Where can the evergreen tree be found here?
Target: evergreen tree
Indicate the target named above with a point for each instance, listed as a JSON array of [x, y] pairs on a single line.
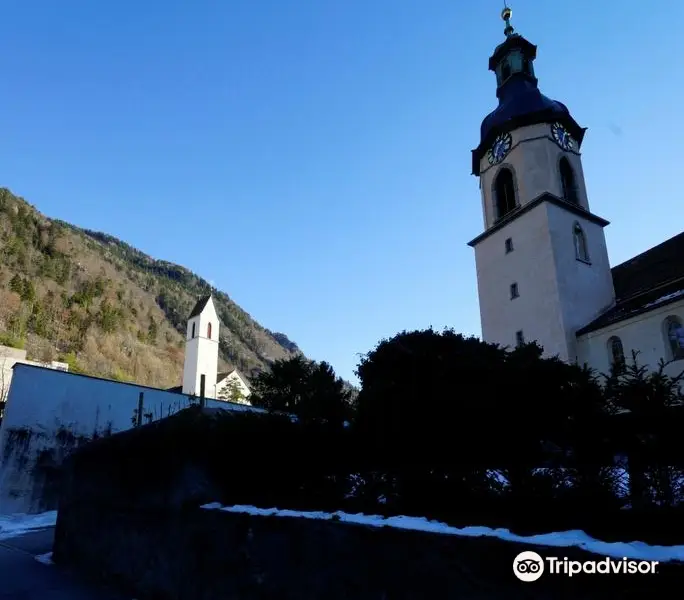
[[152, 331], [650, 421], [16, 284], [304, 388]]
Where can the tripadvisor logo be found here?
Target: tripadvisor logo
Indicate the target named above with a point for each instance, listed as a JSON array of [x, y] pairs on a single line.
[[530, 566]]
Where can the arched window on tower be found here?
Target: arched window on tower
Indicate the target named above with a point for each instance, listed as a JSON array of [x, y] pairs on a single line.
[[674, 337], [580, 241], [504, 193], [193, 330], [209, 330], [617, 352], [568, 181]]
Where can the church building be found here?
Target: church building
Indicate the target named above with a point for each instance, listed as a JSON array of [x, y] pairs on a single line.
[[201, 359], [543, 272]]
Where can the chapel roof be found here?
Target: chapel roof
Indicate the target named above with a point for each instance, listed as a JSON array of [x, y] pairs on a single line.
[[200, 306], [221, 376], [648, 281]]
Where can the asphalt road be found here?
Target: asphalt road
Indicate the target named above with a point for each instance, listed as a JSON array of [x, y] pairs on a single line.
[[22, 577]]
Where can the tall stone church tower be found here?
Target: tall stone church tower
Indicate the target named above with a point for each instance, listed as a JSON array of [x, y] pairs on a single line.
[[542, 262], [201, 349]]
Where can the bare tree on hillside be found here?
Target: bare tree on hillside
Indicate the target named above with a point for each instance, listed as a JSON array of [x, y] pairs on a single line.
[[10, 303]]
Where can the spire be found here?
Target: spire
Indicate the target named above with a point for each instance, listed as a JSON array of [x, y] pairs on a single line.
[[512, 59], [506, 15], [520, 101]]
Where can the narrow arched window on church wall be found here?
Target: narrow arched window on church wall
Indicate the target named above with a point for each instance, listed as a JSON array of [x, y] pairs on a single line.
[[568, 181], [674, 337], [580, 241], [617, 353], [193, 331], [209, 330], [504, 193]]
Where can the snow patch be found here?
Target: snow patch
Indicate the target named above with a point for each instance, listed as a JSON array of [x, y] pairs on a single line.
[[665, 298], [46, 559], [565, 539], [19, 524]]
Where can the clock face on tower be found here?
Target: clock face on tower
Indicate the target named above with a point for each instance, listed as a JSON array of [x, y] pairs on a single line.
[[562, 137], [499, 148]]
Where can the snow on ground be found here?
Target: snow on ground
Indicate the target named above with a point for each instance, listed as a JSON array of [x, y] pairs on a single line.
[[565, 539], [46, 559], [14, 525]]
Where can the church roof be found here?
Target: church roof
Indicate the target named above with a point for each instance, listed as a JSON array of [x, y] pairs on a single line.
[[520, 101], [650, 280], [200, 306], [523, 104], [661, 264]]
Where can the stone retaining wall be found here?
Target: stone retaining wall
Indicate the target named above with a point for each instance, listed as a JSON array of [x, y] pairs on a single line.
[[208, 554]]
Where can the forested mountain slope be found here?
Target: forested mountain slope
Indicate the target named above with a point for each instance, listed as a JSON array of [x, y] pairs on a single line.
[[108, 309]]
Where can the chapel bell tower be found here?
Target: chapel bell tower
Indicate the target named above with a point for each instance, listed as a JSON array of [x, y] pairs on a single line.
[[542, 262], [201, 349]]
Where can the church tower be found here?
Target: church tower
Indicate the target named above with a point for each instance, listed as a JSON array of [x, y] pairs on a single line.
[[542, 262], [201, 349]]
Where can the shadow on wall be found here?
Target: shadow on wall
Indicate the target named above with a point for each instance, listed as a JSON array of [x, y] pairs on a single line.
[[49, 413], [32, 460]]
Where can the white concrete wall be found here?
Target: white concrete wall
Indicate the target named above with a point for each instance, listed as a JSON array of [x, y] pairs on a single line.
[[557, 293], [201, 353], [11, 356], [585, 290], [48, 411], [532, 265], [643, 333]]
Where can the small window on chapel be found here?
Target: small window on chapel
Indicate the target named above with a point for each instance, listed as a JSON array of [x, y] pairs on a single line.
[[514, 291], [193, 331], [509, 245], [209, 330]]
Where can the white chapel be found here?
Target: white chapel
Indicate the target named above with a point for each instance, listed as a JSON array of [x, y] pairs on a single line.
[[201, 358], [543, 272]]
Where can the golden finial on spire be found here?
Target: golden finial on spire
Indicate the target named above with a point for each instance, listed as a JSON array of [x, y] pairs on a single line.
[[506, 14]]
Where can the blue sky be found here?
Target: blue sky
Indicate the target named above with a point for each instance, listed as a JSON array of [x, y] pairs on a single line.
[[312, 158]]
